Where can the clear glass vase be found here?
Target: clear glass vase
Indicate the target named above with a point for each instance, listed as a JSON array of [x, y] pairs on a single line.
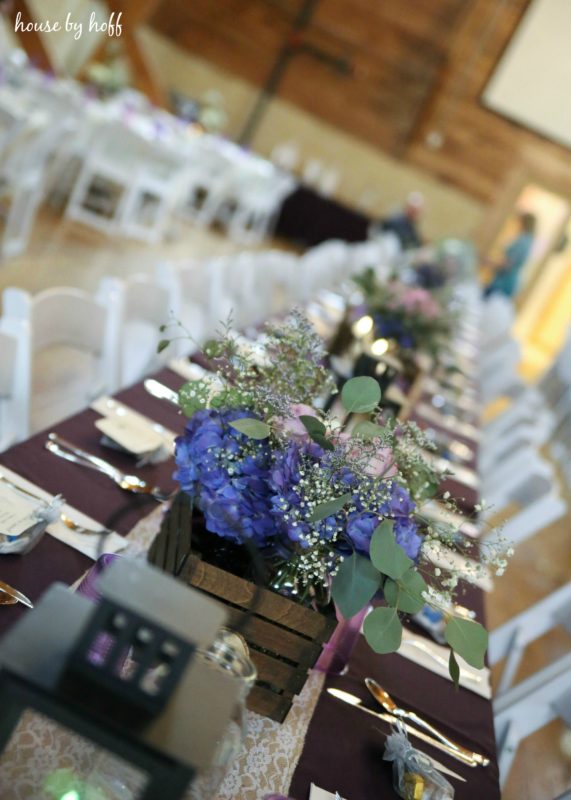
[[229, 652]]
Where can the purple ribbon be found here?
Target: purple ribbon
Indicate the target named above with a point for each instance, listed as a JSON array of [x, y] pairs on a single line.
[[338, 650]]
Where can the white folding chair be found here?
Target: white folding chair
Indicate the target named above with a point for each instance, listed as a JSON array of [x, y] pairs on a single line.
[[14, 382], [140, 307], [535, 516], [510, 639], [522, 477], [187, 286], [70, 350], [530, 706]]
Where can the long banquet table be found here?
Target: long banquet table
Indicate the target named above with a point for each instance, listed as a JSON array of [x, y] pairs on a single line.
[[343, 746]]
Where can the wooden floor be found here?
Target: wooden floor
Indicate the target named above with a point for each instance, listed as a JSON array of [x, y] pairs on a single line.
[[541, 770], [65, 253]]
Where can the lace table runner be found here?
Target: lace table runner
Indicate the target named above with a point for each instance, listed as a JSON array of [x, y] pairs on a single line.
[[39, 747]]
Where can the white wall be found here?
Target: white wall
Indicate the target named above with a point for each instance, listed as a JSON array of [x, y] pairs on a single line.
[[532, 83]]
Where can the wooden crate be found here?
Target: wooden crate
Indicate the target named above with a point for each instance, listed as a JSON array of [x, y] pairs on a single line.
[[285, 639]]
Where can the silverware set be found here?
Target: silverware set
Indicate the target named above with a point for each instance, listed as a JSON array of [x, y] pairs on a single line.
[[415, 726], [60, 447], [67, 521]]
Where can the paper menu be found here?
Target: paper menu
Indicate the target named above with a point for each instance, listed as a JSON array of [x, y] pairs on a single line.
[[16, 512]]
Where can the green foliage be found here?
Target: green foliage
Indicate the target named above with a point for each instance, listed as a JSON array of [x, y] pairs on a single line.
[[329, 508], [387, 556], [162, 345], [193, 396], [317, 430], [406, 592], [383, 630], [368, 430], [354, 584], [253, 428], [361, 395], [454, 669], [469, 639]]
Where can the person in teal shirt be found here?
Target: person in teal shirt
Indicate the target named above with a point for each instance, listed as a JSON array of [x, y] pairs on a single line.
[[506, 279]]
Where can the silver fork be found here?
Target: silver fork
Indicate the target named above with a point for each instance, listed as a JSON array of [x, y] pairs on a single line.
[[130, 483]]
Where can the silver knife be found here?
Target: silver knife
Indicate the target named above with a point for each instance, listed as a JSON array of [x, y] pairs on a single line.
[[161, 391], [355, 701], [11, 592]]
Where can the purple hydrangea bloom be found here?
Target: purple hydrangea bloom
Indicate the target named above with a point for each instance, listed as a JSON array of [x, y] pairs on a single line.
[[360, 528], [406, 534], [228, 482]]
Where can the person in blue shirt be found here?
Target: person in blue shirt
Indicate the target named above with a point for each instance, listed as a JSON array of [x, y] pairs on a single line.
[[507, 277]]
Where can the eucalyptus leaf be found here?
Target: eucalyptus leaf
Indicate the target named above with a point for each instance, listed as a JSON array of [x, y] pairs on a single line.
[[367, 430], [329, 508], [383, 630], [387, 556], [354, 584], [406, 593], [361, 395], [454, 669], [322, 441], [162, 345], [469, 639], [312, 425], [253, 428]]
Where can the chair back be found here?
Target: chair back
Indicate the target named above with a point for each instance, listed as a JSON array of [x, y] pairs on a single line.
[[71, 350], [14, 382], [140, 307]]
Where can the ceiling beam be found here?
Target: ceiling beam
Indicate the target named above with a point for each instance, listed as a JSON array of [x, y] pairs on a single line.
[[135, 13], [30, 40]]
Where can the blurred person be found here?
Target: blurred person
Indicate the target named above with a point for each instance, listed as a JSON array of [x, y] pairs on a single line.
[[405, 223], [508, 270]]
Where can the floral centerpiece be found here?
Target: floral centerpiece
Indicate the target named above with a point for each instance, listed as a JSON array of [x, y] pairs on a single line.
[[331, 501], [414, 317]]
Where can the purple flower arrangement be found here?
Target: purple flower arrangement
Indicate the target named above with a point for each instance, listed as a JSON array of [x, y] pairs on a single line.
[[331, 501], [412, 316]]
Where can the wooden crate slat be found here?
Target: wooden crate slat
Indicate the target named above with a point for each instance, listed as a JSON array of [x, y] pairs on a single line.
[[268, 704], [278, 673], [269, 604], [277, 640]]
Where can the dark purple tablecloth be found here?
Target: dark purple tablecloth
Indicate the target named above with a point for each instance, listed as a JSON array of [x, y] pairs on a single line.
[[84, 489], [308, 218], [343, 748]]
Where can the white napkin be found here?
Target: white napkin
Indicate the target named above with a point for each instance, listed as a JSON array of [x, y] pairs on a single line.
[[188, 369], [431, 414], [469, 569], [316, 793], [86, 544], [141, 436], [436, 511], [464, 475], [417, 655]]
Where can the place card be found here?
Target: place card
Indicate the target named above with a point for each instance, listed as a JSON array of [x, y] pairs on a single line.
[[316, 793], [133, 432]]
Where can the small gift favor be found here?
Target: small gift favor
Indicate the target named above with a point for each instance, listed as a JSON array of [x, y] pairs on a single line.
[[23, 519], [414, 775]]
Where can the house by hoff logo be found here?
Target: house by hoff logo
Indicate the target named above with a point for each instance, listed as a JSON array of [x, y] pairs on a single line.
[[112, 27]]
